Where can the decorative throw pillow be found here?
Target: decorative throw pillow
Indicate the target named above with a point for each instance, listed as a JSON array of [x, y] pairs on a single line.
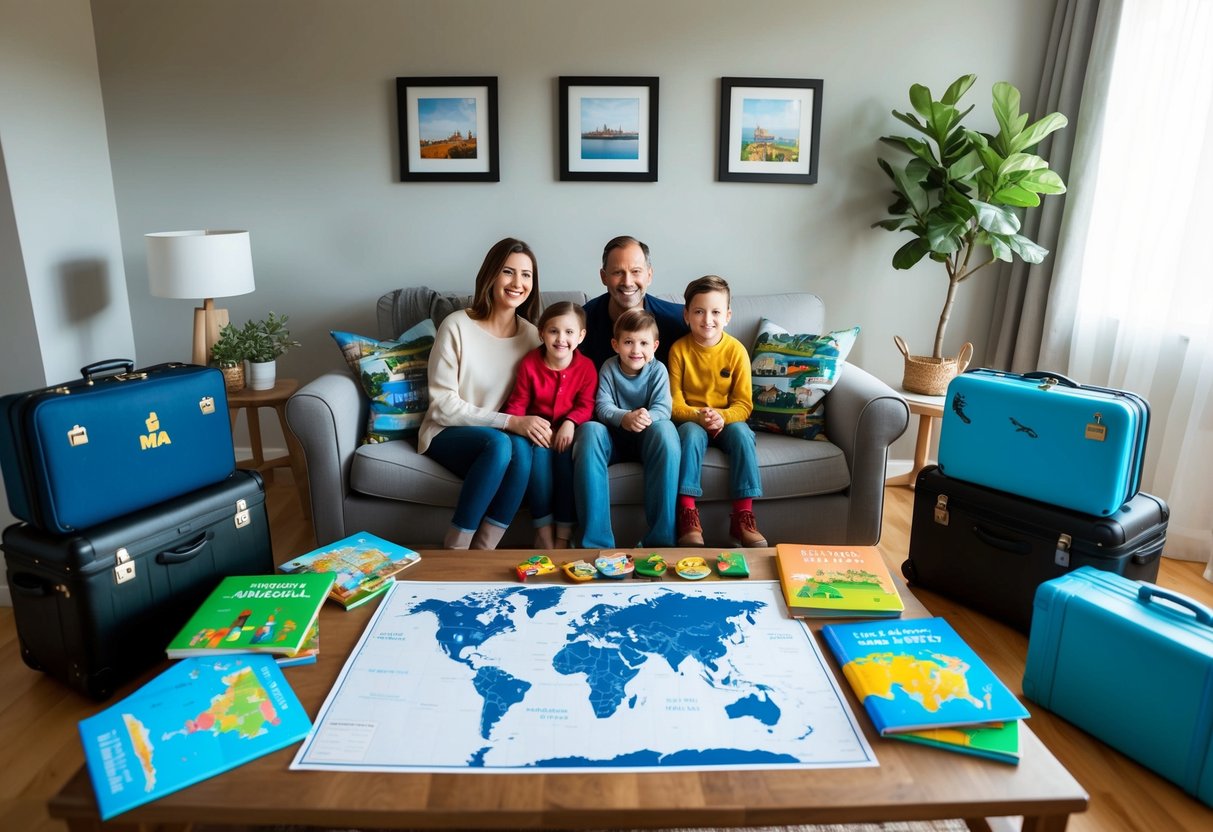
[[395, 376], [791, 375]]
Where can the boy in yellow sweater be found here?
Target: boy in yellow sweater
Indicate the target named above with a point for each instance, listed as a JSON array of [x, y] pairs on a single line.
[[710, 388]]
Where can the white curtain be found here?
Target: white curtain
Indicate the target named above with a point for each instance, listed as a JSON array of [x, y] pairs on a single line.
[[1135, 308]]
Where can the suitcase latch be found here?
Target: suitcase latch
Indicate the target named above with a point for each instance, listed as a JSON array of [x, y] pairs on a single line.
[[941, 509], [1096, 429], [1048, 383], [124, 568], [207, 405], [77, 436], [242, 515], [1062, 556]]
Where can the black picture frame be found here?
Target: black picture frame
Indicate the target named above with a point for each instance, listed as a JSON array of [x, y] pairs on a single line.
[[469, 106], [794, 105], [625, 105]]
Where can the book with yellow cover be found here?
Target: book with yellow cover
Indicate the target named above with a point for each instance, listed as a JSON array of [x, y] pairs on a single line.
[[836, 582], [997, 741]]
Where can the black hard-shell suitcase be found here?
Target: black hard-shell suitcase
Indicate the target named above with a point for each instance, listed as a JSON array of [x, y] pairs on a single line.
[[990, 550], [96, 609], [112, 442]]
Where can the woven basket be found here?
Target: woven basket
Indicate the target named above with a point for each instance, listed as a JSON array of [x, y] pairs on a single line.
[[233, 378], [930, 376]]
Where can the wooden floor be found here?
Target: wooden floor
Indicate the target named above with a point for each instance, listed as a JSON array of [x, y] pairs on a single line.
[[39, 747]]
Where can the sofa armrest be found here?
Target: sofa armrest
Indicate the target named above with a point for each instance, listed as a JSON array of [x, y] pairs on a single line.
[[328, 416], [863, 417]]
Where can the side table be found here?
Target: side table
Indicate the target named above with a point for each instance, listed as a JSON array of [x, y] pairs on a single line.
[[250, 401], [928, 408]]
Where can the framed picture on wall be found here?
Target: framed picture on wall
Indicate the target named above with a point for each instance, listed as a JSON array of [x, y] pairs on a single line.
[[608, 129], [447, 129], [770, 130]]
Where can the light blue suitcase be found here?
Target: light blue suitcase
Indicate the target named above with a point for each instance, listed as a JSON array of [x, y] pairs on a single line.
[[1132, 664], [1045, 437]]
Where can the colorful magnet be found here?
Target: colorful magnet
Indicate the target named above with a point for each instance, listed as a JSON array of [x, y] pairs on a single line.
[[654, 566], [618, 565], [579, 570], [693, 568], [537, 565], [732, 565]]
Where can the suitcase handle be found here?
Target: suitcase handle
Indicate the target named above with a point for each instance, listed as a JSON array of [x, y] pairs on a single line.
[[29, 585], [113, 364], [185, 552], [1015, 547], [1058, 377], [1148, 592]]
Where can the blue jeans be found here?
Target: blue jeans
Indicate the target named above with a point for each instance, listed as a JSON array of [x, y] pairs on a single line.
[[595, 447], [495, 467], [550, 494], [736, 440]]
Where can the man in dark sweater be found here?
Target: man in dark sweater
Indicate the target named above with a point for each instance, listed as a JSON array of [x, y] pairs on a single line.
[[626, 273]]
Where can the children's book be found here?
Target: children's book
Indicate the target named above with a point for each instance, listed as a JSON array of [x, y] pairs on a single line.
[[919, 674], [199, 718], [362, 564], [306, 654], [998, 741], [836, 582], [254, 614]]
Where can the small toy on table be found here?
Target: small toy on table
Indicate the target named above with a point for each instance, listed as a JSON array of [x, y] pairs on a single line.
[[537, 565], [692, 568], [732, 565], [654, 566], [618, 565], [579, 570]]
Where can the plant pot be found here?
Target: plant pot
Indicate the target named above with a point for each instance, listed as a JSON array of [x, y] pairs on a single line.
[[233, 377], [262, 374], [928, 375]]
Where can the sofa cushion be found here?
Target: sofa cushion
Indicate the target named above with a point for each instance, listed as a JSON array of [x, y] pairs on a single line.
[[792, 373], [394, 375], [789, 468]]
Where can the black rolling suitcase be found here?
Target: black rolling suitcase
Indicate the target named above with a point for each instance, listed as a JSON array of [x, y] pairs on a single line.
[[97, 608], [990, 550]]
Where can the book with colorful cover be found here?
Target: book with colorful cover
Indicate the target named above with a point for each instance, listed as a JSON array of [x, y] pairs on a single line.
[[919, 674], [836, 582], [997, 741], [199, 718], [254, 614], [362, 564], [308, 653]]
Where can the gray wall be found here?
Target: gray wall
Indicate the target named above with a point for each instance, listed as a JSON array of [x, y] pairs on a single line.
[[279, 117]]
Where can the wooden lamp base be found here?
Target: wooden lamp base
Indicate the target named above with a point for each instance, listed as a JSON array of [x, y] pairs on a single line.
[[207, 322]]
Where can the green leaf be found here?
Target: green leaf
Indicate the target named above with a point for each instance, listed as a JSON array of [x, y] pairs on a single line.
[[989, 158], [911, 187], [1006, 108], [1043, 182], [1017, 162], [893, 224], [965, 166], [999, 247], [996, 219], [1033, 135], [910, 253], [1026, 249], [958, 88], [944, 234], [1015, 195], [913, 122], [942, 117], [920, 100]]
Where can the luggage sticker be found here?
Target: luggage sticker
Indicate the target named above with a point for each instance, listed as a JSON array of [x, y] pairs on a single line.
[[77, 436], [1097, 430]]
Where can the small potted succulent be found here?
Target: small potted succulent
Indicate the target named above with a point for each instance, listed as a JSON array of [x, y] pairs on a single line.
[[228, 353], [263, 342]]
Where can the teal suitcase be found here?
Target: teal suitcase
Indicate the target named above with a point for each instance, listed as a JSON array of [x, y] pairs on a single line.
[[1045, 437], [1132, 664]]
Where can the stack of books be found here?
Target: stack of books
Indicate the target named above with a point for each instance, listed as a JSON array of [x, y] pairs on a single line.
[[836, 582], [273, 614], [362, 564], [920, 682]]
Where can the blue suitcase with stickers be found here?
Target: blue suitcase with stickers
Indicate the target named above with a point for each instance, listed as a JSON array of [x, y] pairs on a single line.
[[1132, 664], [112, 442], [1045, 437]]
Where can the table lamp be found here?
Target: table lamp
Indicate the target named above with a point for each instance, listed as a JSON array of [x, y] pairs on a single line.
[[200, 264]]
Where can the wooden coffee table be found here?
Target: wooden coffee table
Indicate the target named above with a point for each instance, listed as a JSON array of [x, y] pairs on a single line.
[[911, 783]]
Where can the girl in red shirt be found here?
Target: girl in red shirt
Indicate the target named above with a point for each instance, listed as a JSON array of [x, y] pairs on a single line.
[[557, 383]]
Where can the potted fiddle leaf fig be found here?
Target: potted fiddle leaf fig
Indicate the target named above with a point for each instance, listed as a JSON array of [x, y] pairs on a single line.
[[961, 196]]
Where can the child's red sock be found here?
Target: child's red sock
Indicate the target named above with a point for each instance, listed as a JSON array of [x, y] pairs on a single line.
[[686, 501], [743, 504]]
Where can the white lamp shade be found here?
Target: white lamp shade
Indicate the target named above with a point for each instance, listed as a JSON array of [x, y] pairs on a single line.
[[199, 264]]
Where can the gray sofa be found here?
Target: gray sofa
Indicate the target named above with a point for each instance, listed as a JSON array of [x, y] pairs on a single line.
[[813, 491]]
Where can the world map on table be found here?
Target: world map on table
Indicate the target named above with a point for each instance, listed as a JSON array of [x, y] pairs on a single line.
[[611, 676]]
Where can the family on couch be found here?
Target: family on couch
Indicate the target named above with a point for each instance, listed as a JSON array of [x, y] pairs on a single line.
[[510, 403]]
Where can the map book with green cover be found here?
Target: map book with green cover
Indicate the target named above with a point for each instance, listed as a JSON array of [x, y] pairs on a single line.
[[919, 674], [997, 741], [362, 564], [254, 614], [836, 582], [199, 718]]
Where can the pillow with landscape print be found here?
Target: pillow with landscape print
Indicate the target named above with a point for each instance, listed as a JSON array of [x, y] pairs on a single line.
[[791, 374], [395, 377]]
